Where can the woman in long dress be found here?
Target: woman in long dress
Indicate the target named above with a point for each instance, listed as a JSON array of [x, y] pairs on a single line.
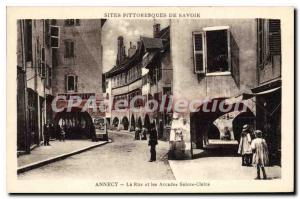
[[260, 153]]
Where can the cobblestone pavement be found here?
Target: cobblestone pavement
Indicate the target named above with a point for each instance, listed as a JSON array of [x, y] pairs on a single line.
[[123, 159]]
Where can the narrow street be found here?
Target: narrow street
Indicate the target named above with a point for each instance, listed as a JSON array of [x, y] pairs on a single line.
[[123, 159]]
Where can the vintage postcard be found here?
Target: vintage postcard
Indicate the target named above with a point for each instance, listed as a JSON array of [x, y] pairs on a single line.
[[150, 99]]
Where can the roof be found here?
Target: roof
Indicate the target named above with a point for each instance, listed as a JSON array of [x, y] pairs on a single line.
[[152, 43], [146, 43]]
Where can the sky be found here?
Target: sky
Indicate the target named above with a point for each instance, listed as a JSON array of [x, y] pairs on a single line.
[[131, 30]]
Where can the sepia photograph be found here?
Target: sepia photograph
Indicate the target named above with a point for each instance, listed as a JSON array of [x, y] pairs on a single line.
[[147, 101]]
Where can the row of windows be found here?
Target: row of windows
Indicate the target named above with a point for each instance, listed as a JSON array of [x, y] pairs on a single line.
[[72, 22], [128, 97], [127, 77]]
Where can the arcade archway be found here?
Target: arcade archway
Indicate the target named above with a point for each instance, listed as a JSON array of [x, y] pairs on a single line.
[[132, 123], [115, 122], [147, 122], [125, 123], [76, 124], [208, 128], [139, 123]]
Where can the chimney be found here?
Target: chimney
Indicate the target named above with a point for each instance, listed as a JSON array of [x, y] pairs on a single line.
[[156, 30], [121, 50], [131, 49]]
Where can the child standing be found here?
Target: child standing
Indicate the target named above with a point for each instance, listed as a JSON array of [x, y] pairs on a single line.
[[260, 154]]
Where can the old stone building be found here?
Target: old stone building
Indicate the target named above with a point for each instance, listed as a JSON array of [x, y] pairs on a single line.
[[34, 82], [268, 89], [146, 71], [219, 60], [57, 58], [77, 64]]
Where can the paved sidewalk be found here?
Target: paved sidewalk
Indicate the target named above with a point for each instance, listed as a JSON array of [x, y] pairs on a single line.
[[58, 150], [217, 168]]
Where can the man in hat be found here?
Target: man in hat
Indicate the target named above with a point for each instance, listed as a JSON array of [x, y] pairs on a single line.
[[47, 129], [152, 142], [245, 146]]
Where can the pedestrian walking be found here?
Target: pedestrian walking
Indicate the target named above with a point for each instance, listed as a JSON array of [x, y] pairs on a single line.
[[144, 133], [47, 133], [245, 146], [62, 133], [93, 133], [137, 133], [152, 142], [260, 154]]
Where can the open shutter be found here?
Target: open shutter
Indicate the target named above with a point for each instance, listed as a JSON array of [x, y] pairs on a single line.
[[235, 65], [198, 43], [76, 82], [47, 32], [274, 37], [66, 83]]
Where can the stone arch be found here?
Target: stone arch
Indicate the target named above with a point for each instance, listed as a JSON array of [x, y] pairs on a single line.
[[240, 120], [125, 123], [115, 122], [147, 121], [214, 132], [132, 123], [76, 124], [202, 121], [139, 123]]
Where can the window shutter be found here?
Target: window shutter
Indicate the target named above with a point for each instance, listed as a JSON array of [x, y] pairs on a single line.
[[235, 65], [274, 37], [54, 32], [198, 42], [76, 82], [47, 32], [66, 83]]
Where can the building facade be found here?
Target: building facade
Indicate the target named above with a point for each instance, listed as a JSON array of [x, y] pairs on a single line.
[[268, 90], [78, 72], [57, 58], [146, 71], [34, 82], [218, 60]]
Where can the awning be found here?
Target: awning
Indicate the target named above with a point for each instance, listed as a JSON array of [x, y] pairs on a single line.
[[246, 96]]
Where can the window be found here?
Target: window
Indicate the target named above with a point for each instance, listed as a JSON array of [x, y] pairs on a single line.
[[212, 50], [217, 51], [268, 40], [72, 22], [198, 52], [69, 49], [54, 36], [71, 82]]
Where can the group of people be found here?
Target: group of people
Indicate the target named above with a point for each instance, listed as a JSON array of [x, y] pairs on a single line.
[[50, 129], [254, 151], [140, 134]]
